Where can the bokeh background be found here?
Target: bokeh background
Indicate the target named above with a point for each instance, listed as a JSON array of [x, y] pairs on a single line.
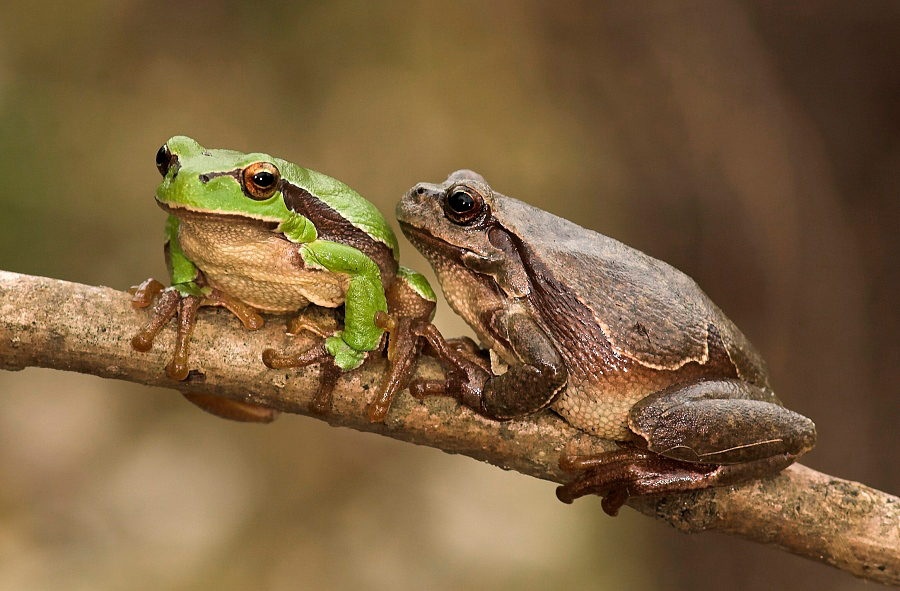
[[755, 145]]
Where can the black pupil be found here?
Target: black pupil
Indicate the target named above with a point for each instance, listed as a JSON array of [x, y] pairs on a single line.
[[264, 179], [460, 202], [162, 158]]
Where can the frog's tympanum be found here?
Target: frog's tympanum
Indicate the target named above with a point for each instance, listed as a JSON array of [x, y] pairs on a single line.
[[619, 344], [253, 233]]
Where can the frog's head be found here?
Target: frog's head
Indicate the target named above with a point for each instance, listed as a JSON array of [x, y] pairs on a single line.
[[200, 180], [454, 225]]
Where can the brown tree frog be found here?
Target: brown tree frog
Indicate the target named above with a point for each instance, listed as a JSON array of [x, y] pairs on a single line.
[[619, 344], [254, 233]]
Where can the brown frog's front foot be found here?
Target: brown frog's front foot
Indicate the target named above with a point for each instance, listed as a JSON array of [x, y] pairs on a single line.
[[697, 436], [173, 303], [467, 369]]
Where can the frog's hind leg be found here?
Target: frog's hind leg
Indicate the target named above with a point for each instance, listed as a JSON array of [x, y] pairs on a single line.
[[628, 472], [330, 372], [693, 436]]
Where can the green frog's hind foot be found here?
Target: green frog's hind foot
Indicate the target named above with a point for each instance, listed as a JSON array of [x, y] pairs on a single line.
[[330, 372], [624, 473], [234, 410]]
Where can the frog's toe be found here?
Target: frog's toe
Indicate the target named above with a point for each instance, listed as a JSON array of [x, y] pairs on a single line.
[[422, 389], [164, 310], [321, 403], [142, 295], [320, 321], [247, 314]]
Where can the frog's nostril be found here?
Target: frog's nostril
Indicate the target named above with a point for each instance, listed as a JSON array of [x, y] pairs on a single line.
[[420, 190], [204, 178]]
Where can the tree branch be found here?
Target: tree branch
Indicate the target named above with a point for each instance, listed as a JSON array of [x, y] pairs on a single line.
[[51, 323]]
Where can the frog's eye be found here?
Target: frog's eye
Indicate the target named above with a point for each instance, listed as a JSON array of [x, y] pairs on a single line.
[[164, 159], [260, 180], [462, 205]]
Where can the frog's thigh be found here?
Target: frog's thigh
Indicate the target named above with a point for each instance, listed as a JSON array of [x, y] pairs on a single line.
[[720, 422]]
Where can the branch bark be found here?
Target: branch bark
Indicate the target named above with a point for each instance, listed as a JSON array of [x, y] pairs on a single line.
[[62, 325]]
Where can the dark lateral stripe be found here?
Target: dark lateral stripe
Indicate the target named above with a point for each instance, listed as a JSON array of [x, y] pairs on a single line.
[[332, 226]]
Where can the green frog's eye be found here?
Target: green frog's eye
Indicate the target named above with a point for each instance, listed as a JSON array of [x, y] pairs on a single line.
[[462, 204], [260, 180], [164, 159]]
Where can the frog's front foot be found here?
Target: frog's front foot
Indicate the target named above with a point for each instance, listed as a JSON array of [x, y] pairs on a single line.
[[183, 301], [321, 403], [467, 371], [172, 302], [630, 472]]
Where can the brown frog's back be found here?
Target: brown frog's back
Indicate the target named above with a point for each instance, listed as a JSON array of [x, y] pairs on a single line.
[[646, 310]]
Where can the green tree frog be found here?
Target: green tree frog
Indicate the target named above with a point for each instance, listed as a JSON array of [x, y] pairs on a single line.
[[619, 344], [254, 233]]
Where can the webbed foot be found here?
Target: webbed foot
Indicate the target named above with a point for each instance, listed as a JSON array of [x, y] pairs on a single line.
[[467, 370], [171, 303], [175, 301], [623, 473]]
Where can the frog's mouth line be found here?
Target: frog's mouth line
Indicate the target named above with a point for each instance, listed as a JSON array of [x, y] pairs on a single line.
[[196, 213], [415, 232]]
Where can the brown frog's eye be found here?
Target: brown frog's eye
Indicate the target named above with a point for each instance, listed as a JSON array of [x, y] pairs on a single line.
[[462, 204], [260, 180], [164, 159]]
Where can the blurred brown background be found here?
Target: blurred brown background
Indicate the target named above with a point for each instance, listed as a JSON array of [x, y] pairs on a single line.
[[754, 145]]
